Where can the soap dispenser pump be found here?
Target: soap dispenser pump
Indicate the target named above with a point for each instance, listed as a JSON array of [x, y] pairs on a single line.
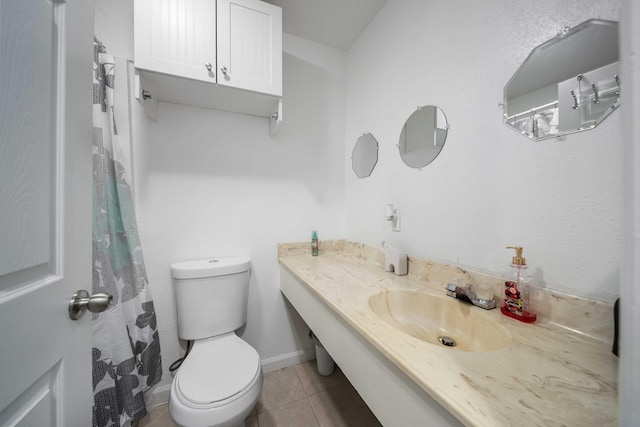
[[516, 302]]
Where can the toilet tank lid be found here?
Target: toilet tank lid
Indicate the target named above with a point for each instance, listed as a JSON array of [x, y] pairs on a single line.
[[210, 267]]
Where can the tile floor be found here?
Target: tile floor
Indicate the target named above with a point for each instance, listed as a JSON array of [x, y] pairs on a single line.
[[297, 397]]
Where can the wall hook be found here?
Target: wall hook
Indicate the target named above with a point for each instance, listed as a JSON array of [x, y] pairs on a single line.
[[596, 98], [575, 99]]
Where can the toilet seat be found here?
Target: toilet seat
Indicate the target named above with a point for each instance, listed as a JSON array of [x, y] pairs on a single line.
[[217, 371]]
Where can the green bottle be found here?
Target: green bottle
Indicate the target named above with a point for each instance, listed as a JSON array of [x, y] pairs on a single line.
[[314, 243]]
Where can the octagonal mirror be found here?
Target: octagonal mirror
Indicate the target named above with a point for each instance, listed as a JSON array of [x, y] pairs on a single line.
[[365, 155], [568, 84]]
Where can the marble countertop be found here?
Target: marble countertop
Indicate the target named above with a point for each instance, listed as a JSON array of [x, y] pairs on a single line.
[[546, 375]]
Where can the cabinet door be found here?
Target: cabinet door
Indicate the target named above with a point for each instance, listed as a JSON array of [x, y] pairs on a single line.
[[250, 46], [176, 37]]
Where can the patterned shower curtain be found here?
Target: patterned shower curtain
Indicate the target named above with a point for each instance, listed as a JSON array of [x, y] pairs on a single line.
[[126, 347]]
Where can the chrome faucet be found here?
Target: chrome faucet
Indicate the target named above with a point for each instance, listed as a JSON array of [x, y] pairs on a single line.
[[467, 294]]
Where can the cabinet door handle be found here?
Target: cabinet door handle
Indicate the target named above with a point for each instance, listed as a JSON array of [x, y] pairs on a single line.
[[224, 70], [208, 66]]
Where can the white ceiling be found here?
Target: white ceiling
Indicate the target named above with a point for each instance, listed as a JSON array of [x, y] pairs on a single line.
[[336, 23]]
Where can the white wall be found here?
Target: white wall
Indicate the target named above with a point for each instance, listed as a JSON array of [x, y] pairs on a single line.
[[490, 187], [211, 183]]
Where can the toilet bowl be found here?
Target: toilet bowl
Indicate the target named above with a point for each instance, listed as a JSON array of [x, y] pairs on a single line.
[[217, 385], [220, 380]]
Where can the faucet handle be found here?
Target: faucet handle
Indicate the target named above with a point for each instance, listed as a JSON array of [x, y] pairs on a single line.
[[466, 294], [485, 295], [457, 288]]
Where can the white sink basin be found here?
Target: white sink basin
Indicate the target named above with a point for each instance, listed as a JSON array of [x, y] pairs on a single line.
[[436, 320]]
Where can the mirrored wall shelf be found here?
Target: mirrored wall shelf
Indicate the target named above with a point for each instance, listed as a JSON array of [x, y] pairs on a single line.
[[568, 84]]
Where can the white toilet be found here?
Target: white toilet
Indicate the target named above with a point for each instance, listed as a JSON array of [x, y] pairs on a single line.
[[218, 383]]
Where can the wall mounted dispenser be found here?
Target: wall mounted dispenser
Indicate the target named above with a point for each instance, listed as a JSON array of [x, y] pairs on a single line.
[[393, 216]]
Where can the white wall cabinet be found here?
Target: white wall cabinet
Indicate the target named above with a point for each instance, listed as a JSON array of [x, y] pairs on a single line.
[[250, 46], [176, 37], [200, 52]]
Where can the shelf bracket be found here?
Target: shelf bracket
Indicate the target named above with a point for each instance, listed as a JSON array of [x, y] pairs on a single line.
[[276, 119], [143, 92]]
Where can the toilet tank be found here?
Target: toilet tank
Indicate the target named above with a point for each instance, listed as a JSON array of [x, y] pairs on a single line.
[[211, 296]]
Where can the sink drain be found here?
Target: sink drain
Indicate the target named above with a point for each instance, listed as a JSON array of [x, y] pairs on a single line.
[[448, 341]]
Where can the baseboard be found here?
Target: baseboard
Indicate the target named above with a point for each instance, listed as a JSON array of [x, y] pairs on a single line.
[[157, 395], [286, 360]]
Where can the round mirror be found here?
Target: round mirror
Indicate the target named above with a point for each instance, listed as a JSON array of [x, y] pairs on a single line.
[[423, 136], [365, 155]]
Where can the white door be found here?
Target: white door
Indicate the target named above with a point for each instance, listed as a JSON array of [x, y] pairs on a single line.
[[45, 211], [250, 46], [176, 37]]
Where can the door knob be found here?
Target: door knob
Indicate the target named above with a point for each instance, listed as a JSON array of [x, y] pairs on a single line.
[[81, 302], [208, 66], [223, 69]]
